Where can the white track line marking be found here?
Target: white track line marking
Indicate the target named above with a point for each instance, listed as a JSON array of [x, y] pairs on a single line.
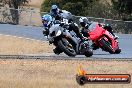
[[22, 37]]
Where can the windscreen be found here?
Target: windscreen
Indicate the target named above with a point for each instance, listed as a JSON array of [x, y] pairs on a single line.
[[93, 26]]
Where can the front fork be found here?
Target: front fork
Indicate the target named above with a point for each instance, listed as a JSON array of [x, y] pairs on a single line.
[[70, 37]]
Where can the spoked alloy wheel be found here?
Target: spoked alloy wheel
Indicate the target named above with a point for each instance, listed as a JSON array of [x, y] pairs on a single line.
[[67, 47]]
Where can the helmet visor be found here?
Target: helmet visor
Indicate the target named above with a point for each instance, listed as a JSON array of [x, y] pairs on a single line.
[[45, 23], [82, 24]]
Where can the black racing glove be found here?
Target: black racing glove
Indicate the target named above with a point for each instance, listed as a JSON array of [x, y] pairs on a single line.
[[46, 32]]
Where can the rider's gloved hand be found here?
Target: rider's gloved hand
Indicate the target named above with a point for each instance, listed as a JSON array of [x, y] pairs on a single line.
[[45, 32]]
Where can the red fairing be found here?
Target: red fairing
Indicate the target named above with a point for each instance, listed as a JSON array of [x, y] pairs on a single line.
[[114, 42], [96, 33]]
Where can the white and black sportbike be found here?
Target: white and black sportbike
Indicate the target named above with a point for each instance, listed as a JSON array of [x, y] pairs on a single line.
[[66, 41]]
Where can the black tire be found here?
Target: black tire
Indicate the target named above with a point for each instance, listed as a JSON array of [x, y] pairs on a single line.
[[81, 80], [88, 53], [118, 51], [106, 46], [65, 50]]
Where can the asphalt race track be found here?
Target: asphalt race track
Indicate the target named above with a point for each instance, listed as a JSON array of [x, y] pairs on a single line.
[[36, 33]]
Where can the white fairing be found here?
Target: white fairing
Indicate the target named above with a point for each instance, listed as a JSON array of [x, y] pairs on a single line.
[[55, 28], [67, 33], [93, 26], [60, 30], [58, 33]]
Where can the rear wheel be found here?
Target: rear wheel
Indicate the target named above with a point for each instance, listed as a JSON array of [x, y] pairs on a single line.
[[106, 46], [67, 47], [118, 51]]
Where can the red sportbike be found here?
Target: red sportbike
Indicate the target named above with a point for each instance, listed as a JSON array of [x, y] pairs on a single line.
[[103, 39]]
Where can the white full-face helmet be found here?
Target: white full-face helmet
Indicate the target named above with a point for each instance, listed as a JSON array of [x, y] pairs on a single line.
[[83, 21], [54, 9]]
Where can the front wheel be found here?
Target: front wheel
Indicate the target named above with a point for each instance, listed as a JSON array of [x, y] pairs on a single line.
[[66, 47], [88, 53]]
